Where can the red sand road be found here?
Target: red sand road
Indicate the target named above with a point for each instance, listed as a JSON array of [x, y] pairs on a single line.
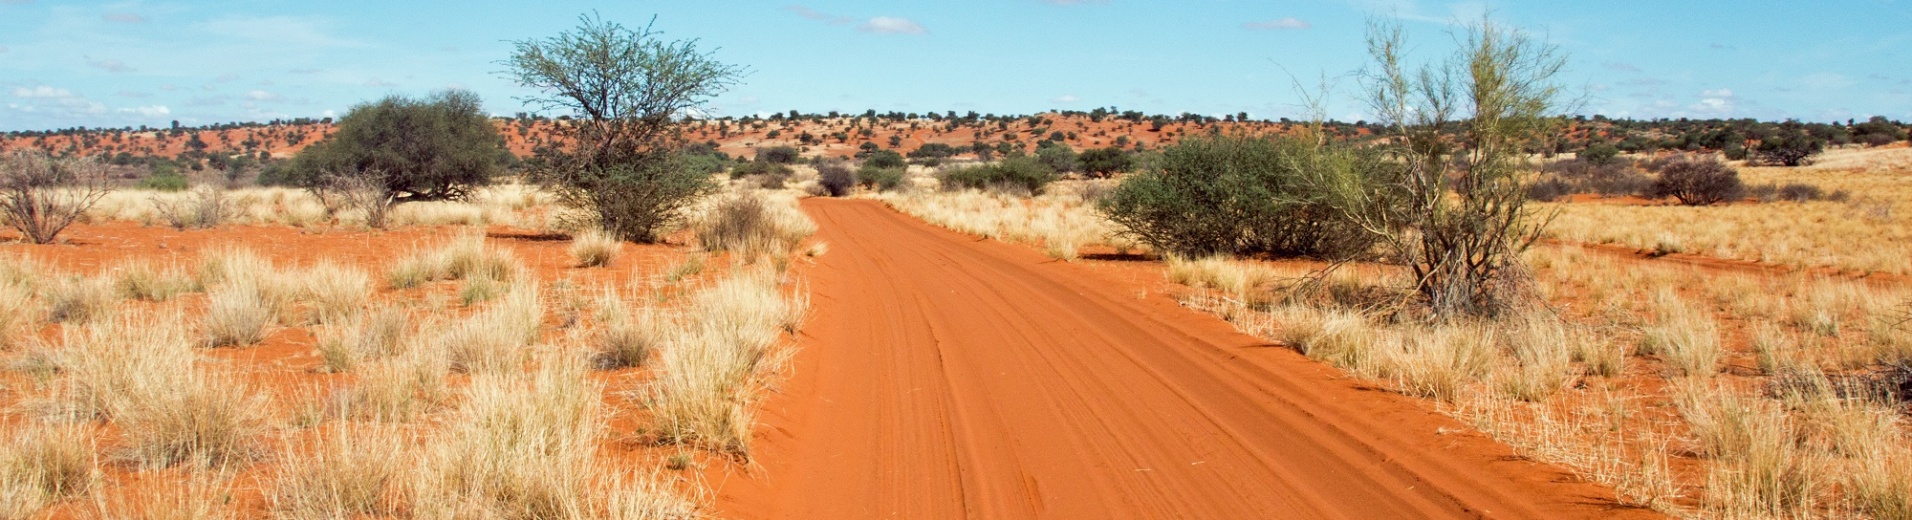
[[946, 377]]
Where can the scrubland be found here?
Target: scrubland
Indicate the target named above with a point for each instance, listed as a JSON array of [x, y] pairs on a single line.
[[470, 370]]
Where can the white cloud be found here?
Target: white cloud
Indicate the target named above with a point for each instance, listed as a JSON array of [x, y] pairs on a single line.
[[1283, 24], [113, 66], [261, 95], [133, 94], [42, 91], [1718, 93], [892, 25], [149, 111], [1067, 98]]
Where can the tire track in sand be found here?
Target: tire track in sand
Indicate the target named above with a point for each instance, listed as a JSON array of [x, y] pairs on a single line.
[[945, 377]]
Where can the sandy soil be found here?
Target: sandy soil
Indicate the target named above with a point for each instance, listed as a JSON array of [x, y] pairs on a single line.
[[946, 377]]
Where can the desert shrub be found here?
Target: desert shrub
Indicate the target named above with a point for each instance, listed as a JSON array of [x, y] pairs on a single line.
[[1790, 145], [880, 179], [400, 149], [1612, 178], [205, 207], [623, 166], [40, 195], [1022, 174], [168, 181], [1058, 157], [1599, 153], [1799, 192], [748, 225], [624, 338], [836, 178], [236, 315], [1735, 152], [79, 300], [1238, 195], [1550, 189], [1103, 162], [884, 159], [930, 152], [1698, 181], [594, 249], [779, 155], [759, 168]]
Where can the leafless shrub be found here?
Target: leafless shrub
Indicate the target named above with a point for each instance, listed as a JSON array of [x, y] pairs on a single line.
[[41, 195]]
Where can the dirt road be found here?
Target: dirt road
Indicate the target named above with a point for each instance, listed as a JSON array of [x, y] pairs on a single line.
[[946, 377]]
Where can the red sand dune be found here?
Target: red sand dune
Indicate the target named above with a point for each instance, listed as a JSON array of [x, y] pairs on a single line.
[[947, 377]]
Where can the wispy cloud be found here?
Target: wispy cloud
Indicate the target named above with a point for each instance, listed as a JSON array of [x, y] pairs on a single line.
[[1283, 24], [42, 91], [109, 65], [1621, 66], [123, 18], [1067, 98], [818, 16], [375, 82], [892, 25]]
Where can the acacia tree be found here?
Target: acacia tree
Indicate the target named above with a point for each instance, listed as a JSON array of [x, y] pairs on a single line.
[[1451, 205], [622, 164], [400, 149]]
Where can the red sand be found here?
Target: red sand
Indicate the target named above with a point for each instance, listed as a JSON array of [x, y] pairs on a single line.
[[946, 377]]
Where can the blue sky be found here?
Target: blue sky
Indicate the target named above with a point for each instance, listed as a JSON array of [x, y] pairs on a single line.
[[78, 63]]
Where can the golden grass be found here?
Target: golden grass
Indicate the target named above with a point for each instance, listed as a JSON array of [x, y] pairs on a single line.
[[623, 337], [19, 314], [711, 369], [139, 280], [1686, 338], [494, 339], [372, 335], [593, 248], [1871, 232], [463, 257], [45, 464], [335, 292], [508, 204], [341, 474], [79, 300], [752, 224], [1062, 220]]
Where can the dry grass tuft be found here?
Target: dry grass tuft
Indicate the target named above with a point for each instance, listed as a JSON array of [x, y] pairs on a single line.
[[79, 300], [495, 338], [1543, 354], [624, 338], [45, 464], [1685, 337], [593, 248], [376, 334], [464, 257], [753, 224], [237, 314], [335, 292], [139, 280], [18, 312], [710, 373], [1233, 279], [342, 474]]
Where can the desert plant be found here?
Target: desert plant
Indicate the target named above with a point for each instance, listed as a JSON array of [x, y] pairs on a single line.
[[1789, 145], [592, 248], [79, 300], [779, 155], [340, 475], [708, 375], [1022, 174], [884, 159], [400, 149], [1059, 157], [204, 207], [836, 178], [624, 338], [1698, 181], [373, 334], [43, 464], [1103, 162], [623, 166], [749, 225], [335, 292], [40, 195], [880, 179], [237, 314], [1241, 195], [139, 280], [1449, 202]]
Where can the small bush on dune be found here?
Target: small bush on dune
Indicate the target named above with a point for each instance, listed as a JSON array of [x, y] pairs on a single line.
[[880, 179], [1017, 174], [836, 178], [593, 248], [41, 195], [749, 225], [1242, 195], [1698, 181]]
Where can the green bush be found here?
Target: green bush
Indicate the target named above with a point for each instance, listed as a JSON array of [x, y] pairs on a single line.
[[1058, 157], [835, 177], [746, 169], [165, 182], [884, 159], [1600, 153], [880, 179], [1103, 162], [1243, 195], [435, 148], [1023, 174], [1697, 181], [779, 155]]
